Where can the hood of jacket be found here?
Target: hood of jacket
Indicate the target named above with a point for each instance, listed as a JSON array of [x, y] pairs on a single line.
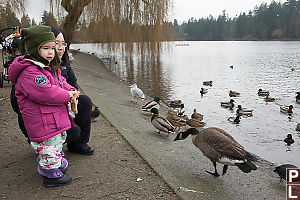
[[19, 64]]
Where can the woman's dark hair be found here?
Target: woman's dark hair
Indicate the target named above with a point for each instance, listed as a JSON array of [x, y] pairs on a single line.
[[65, 57]]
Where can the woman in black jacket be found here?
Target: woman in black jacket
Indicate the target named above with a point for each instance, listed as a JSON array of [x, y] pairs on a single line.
[[78, 136]]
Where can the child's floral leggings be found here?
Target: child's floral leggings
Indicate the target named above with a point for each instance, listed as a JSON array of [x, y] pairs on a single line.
[[49, 151]]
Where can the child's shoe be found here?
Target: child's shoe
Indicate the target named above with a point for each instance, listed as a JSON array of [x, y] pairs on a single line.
[[54, 177]]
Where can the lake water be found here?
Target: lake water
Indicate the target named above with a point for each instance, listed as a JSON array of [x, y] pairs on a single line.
[[179, 71]]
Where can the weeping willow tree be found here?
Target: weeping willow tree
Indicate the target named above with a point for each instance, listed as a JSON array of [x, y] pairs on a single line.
[[115, 20]]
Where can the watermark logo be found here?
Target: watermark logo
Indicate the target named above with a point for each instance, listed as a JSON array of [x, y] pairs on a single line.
[[293, 184]]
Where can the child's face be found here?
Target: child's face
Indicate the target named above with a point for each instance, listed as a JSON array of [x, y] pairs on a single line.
[[47, 50]]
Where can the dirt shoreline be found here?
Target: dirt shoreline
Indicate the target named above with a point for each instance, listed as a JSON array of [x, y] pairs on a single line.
[[115, 171]]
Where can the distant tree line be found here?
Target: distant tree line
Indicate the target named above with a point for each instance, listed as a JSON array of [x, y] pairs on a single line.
[[276, 21]]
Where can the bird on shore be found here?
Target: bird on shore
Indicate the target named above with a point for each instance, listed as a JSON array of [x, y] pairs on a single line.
[[192, 122], [231, 66], [176, 121], [208, 83], [289, 139], [161, 123], [136, 92], [297, 97], [262, 92], [298, 127], [155, 103], [95, 113], [287, 109], [281, 170], [234, 93], [221, 147], [181, 110], [175, 103], [196, 115], [227, 104]]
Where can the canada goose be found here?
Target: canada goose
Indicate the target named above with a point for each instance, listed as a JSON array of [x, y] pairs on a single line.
[[269, 99], [175, 120], [161, 123], [196, 115], [136, 92], [289, 139], [152, 104], [175, 103], [243, 111], [287, 109], [203, 91], [233, 93], [209, 83], [219, 146], [229, 104], [181, 110], [281, 170], [235, 120], [262, 92]]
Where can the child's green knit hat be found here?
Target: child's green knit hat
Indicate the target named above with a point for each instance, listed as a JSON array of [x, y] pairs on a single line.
[[34, 37]]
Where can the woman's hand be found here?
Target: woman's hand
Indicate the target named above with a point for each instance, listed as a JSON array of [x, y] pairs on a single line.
[[74, 94]]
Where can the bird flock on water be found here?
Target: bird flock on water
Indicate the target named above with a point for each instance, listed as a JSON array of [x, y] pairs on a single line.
[[215, 143]]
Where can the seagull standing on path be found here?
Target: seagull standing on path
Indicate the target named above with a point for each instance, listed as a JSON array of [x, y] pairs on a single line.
[[136, 92]]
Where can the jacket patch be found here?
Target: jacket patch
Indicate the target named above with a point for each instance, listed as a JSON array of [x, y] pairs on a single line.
[[40, 80]]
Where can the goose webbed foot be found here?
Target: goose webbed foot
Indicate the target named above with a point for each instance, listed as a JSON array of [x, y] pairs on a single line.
[[168, 134], [215, 174], [225, 167]]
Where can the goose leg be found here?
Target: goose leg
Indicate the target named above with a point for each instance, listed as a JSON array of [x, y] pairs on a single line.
[[216, 174], [168, 134], [225, 167]]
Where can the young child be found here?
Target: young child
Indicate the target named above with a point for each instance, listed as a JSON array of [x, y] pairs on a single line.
[[43, 97]]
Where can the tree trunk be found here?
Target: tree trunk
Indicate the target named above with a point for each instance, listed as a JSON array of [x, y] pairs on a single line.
[[74, 12]]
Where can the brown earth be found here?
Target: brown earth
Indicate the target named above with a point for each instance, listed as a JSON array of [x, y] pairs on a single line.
[[111, 173]]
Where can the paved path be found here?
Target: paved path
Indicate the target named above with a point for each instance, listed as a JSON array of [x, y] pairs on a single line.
[[179, 163]]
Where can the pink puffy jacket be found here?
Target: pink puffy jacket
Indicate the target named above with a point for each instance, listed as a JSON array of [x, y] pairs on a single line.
[[42, 98]]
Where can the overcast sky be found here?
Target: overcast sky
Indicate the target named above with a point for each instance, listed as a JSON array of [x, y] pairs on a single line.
[[182, 9]]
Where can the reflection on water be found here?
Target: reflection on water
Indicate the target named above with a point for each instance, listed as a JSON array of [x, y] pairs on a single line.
[[179, 73]]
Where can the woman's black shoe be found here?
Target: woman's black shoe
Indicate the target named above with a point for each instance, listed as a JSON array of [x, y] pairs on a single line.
[[87, 150]]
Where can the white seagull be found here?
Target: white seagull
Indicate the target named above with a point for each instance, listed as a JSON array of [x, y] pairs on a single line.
[[136, 92]]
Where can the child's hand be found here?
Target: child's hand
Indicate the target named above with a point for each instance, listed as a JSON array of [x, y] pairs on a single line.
[[74, 94]]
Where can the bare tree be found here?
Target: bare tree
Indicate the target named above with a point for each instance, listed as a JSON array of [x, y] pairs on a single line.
[[137, 13]]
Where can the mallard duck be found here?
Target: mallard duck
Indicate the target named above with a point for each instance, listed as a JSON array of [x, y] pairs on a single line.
[[136, 92], [287, 109], [221, 147], [175, 120], [243, 111], [196, 115], [289, 139], [152, 104], [269, 99], [209, 83], [161, 123], [233, 93], [203, 91], [175, 103], [235, 120], [229, 104], [194, 122], [262, 92], [181, 110], [281, 170], [298, 127]]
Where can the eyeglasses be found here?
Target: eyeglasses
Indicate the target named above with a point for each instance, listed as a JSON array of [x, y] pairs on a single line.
[[61, 44]]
